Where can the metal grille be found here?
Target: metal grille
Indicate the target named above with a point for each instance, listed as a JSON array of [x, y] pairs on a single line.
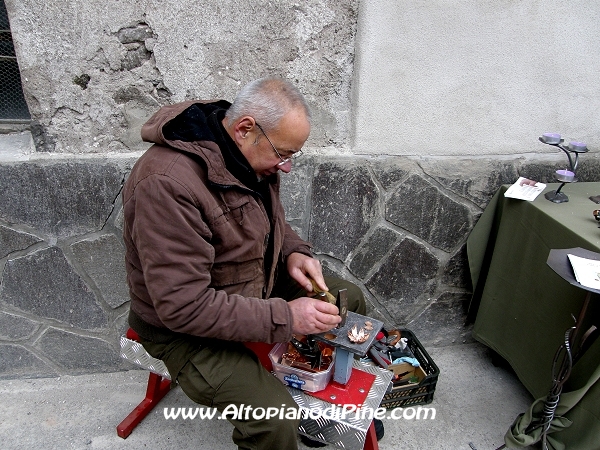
[[12, 103]]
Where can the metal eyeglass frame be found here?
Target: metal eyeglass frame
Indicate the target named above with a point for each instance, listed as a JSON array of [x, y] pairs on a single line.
[[283, 161]]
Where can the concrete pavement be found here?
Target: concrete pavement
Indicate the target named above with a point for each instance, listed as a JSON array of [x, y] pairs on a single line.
[[475, 404]]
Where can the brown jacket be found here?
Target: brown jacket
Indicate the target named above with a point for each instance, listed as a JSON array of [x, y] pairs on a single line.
[[195, 242]]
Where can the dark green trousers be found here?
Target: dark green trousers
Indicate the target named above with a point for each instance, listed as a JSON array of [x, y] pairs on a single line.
[[228, 376]]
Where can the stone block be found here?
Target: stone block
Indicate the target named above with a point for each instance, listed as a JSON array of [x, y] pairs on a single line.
[[475, 180], [43, 283], [79, 354], [372, 251], [13, 328], [391, 171], [58, 197], [404, 276], [456, 273], [103, 259], [17, 361], [539, 171], [295, 189], [443, 322], [422, 209], [588, 169], [12, 240], [330, 269], [345, 205]]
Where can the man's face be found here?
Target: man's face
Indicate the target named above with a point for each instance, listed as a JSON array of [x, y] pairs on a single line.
[[287, 139]]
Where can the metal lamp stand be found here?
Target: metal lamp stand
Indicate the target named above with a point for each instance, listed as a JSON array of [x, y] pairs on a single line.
[[562, 364]]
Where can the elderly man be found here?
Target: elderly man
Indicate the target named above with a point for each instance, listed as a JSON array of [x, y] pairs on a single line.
[[211, 262]]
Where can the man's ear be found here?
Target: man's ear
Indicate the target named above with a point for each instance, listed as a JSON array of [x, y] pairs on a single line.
[[244, 126]]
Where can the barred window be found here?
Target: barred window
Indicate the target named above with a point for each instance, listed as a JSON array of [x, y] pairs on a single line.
[[12, 103]]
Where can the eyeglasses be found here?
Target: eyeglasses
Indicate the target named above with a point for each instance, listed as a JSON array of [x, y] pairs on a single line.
[[283, 161]]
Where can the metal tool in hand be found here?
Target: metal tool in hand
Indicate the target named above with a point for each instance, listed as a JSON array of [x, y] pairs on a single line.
[[310, 349], [321, 294], [342, 304], [341, 301]]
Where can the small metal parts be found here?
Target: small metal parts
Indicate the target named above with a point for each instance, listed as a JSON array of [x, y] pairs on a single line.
[[358, 336]]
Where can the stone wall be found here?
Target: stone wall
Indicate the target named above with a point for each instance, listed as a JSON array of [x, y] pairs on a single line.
[[63, 297], [395, 226]]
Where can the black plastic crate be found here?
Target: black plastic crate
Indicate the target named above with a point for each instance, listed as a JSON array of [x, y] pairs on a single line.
[[414, 394]]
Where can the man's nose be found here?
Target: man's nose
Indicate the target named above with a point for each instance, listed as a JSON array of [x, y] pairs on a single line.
[[285, 168]]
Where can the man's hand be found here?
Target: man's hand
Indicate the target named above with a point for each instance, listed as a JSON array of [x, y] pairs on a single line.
[[300, 267], [312, 316]]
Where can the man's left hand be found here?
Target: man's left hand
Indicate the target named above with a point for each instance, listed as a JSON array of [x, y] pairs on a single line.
[[300, 267]]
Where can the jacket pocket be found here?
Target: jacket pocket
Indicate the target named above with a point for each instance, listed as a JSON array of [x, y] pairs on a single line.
[[231, 273], [234, 210]]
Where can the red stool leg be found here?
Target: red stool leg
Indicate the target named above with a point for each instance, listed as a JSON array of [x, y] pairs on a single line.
[[371, 439], [156, 390]]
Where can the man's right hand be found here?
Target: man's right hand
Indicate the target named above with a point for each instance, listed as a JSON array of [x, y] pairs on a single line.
[[311, 316]]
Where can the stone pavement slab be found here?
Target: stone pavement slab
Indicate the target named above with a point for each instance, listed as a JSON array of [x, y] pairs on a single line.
[[475, 403]]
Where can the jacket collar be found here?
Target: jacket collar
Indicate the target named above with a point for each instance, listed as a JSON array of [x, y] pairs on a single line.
[[168, 127]]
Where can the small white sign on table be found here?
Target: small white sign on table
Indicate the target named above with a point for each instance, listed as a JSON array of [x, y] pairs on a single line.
[[525, 189], [587, 271]]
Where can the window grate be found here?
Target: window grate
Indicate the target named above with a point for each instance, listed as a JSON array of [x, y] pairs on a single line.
[[12, 102]]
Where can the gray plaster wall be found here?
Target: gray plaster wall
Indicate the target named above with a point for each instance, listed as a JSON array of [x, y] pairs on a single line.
[[414, 130], [487, 77], [94, 71]]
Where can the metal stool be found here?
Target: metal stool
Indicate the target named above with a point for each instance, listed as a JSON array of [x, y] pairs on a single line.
[[159, 381], [346, 435]]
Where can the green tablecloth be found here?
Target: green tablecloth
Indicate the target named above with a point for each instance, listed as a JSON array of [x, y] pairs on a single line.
[[521, 307]]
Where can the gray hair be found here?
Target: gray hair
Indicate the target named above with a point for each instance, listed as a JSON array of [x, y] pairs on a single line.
[[267, 100]]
